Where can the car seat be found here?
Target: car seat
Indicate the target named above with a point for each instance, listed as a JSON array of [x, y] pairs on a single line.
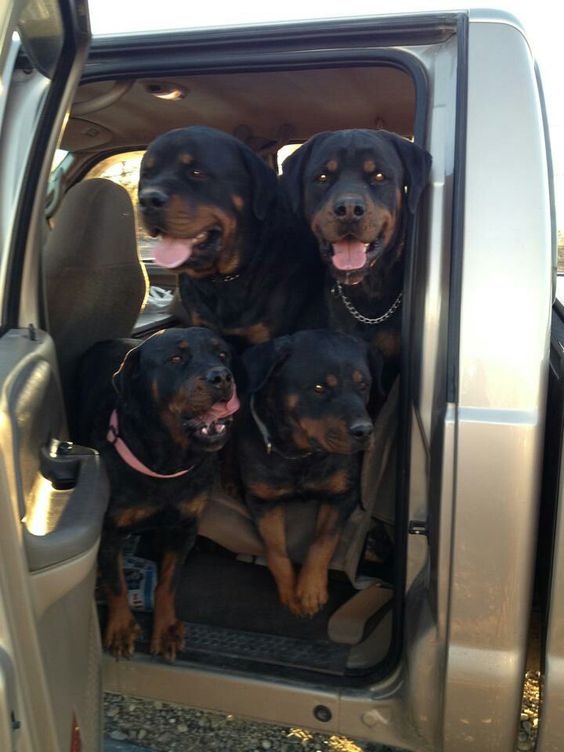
[[95, 282]]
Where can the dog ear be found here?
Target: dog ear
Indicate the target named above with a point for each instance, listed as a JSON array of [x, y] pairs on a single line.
[[416, 164], [293, 168], [261, 361], [264, 182], [126, 371]]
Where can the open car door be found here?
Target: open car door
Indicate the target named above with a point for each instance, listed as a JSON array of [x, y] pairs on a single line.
[[551, 728], [52, 495]]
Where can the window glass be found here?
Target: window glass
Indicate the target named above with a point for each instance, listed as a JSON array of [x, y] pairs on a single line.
[[124, 170]]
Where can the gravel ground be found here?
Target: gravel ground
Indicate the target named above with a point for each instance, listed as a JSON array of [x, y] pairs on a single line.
[[170, 728], [161, 727]]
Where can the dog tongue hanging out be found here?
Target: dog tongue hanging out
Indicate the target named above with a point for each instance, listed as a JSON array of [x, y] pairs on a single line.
[[223, 225], [357, 190], [158, 424]]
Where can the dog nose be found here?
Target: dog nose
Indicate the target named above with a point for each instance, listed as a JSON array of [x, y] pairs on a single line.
[[219, 377], [349, 207], [361, 429], [152, 198]]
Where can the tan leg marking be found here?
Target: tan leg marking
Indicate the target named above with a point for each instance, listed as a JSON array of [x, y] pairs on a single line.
[[121, 630], [168, 632], [311, 589], [273, 531]]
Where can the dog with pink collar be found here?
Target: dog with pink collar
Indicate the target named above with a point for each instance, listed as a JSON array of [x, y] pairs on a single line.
[[158, 413]]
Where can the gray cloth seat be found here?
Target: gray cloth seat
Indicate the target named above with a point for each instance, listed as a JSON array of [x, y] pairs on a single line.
[[95, 282]]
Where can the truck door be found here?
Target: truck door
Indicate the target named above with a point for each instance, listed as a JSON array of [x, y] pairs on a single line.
[[52, 495], [551, 548]]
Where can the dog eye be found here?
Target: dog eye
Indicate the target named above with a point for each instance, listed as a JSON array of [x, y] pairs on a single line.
[[363, 386], [223, 356], [323, 178], [176, 359], [378, 177], [319, 389], [196, 173]]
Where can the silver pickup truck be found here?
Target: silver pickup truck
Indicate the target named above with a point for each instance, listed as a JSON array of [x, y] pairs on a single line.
[[422, 649]]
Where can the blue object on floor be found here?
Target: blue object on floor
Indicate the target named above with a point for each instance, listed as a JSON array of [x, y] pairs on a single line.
[[110, 745]]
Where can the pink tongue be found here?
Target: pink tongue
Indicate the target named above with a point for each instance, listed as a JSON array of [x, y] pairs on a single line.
[[222, 409], [173, 252], [349, 254]]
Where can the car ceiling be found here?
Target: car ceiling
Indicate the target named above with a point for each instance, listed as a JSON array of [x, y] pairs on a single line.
[[265, 109]]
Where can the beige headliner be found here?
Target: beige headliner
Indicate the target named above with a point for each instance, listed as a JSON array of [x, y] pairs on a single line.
[[307, 100]]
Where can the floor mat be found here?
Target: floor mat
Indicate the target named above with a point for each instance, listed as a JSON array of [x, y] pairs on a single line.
[[222, 592]]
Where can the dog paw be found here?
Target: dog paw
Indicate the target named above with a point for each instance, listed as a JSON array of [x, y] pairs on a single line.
[[311, 592], [167, 639], [121, 634]]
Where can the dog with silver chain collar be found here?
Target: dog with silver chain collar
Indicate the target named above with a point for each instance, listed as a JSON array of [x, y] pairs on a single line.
[[357, 190]]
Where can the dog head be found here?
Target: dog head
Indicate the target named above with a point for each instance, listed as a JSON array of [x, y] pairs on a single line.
[[353, 187], [315, 385], [182, 379], [206, 194]]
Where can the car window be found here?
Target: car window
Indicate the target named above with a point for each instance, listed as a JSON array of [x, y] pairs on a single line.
[[284, 152], [123, 169]]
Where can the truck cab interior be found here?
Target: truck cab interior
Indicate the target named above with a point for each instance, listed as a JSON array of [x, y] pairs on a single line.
[[414, 588]]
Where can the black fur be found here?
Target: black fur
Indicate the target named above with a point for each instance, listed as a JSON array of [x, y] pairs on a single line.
[[162, 390], [359, 188], [255, 275], [309, 391]]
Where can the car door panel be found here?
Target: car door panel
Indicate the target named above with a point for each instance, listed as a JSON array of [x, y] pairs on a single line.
[[59, 530], [52, 496]]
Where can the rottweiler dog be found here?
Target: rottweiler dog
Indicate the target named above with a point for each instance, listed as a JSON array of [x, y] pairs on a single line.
[[301, 436], [356, 189], [225, 227], [157, 422]]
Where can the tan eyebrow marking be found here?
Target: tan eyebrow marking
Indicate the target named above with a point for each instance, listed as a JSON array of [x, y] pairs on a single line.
[[238, 202], [186, 158], [332, 380], [369, 165], [332, 165]]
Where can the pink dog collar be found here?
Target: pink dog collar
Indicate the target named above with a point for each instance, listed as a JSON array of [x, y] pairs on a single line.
[[127, 455]]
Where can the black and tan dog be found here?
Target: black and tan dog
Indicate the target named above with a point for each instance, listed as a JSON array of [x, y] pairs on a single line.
[[225, 227], [356, 190], [300, 437], [157, 427]]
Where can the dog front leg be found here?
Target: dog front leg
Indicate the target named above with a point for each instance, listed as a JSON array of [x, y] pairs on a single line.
[[271, 523], [121, 629], [311, 590], [168, 631]]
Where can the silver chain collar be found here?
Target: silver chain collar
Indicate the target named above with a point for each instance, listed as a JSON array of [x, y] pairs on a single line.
[[227, 278], [337, 290]]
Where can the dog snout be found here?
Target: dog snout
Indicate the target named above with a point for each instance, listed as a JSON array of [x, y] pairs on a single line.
[[349, 207], [152, 198], [361, 430], [221, 379]]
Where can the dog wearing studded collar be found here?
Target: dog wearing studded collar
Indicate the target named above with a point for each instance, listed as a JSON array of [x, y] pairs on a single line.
[[357, 190]]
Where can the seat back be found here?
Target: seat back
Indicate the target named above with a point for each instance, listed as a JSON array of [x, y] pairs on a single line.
[[95, 283]]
